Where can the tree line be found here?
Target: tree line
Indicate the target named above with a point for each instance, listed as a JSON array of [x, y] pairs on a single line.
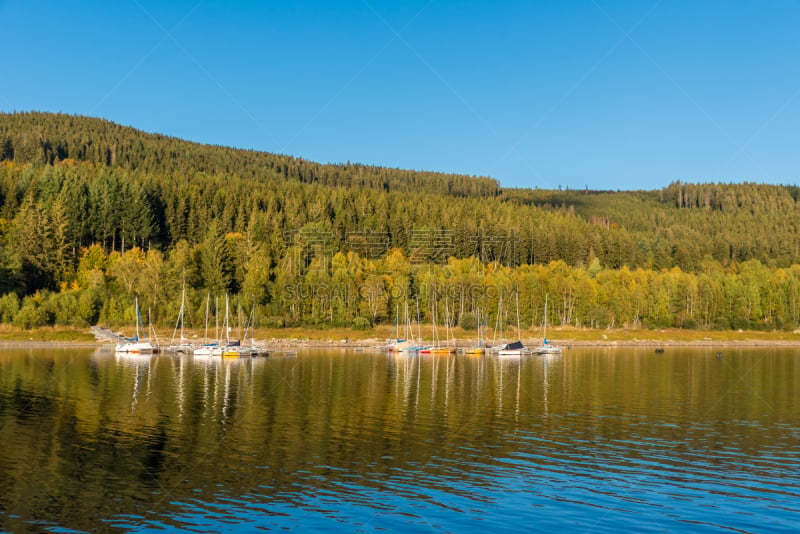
[[346, 289]]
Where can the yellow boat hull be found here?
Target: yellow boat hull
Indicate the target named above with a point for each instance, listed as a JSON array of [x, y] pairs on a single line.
[[442, 350]]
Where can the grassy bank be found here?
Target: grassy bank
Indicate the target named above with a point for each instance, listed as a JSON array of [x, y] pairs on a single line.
[[60, 334], [377, 335], [671, 335]]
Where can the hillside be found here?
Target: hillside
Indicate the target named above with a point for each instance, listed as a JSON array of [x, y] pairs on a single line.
[[45, 138], [178, 182], [109, 212]]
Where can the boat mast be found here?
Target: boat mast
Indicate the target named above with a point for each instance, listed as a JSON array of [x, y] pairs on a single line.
[[150, 327], [447, 323], [226, 325], [419, 323], [407, 324], [183, 307], [500, 317], [136, 306], [395, 329], [544, 327], [208, 304], [179, 322], [480, 329], [434, 332]]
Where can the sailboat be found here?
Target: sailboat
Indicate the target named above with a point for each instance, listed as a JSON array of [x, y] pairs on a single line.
[[210, 349], [516, 348], [395, 342], [479, 348], [436, 348], [183, 344], [136, 345], [252, 348], [409, 344], [495, 347], [546, 347], [231, 348]]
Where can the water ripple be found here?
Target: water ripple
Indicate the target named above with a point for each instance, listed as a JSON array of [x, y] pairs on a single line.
[[342, 442]]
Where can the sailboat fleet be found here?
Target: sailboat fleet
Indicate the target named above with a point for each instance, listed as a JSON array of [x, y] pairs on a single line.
[[408, 343], [222, 345]]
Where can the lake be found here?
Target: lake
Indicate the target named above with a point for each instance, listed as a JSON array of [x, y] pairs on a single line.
[[596, 439]]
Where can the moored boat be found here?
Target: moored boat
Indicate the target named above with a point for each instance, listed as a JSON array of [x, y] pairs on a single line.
[[514, 349], [182, 345], [439, 350], [136, 345], [206, 351], [546, 347], [479, 348], [436, 347]]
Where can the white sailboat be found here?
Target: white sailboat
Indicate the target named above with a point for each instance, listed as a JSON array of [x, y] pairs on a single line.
[[546, 347], [495, 346], [210, 349], [136, 345], [182, 345], [408, 344], [395, 342], [251, 347], [516, 348]]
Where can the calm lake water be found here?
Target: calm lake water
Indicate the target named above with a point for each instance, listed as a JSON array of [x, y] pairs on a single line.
[[592, 440]]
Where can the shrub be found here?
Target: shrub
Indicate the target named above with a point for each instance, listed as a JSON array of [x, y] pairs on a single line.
[[31, 315], [89, 306], [274, 321], [722, 323], [661, 322], [64, 308], [9, 307], [740, 323], [361, 323], [468, 321]]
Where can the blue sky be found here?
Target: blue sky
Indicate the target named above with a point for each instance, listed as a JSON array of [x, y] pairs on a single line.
[[598, 93]]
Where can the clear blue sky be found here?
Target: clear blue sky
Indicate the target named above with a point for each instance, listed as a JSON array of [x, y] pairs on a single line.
[[598, 93]]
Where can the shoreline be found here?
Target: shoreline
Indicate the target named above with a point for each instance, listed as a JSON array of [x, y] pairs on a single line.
[[298, 337], [376, 344]]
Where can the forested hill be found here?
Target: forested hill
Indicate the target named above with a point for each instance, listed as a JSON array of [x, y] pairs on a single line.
[[683, 224], [93, 214], [112, 184], [48, 138]]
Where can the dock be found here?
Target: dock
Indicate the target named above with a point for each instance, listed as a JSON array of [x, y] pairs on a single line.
[[105, 335]]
